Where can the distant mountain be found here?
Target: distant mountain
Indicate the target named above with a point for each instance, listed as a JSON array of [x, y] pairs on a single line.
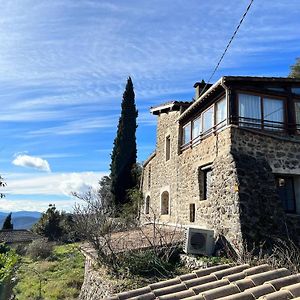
[[21, 219]]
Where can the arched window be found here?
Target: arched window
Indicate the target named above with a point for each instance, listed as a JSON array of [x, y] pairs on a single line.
[[147, 205], [165, 203]]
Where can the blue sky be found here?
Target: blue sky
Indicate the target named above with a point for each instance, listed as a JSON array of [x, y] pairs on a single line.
[[64, 65]]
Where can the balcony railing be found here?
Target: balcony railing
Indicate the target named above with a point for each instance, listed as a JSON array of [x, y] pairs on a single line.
[[196, 140]]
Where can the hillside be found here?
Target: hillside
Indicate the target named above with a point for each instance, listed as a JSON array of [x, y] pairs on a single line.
[[21, 219]]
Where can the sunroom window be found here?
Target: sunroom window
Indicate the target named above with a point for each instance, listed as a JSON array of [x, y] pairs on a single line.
[[249, 110], [273, 113], [197, 128], [208, 119], [261, 112], [221, 113], [186, 134]]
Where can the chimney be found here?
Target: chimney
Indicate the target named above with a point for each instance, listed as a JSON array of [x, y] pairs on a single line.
[[200, 88]]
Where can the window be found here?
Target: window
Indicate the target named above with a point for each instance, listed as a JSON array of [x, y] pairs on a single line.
[[273, 113], [214, 117], [197, 128], [164, 203], [261, 112], [286, 192], [149, 177], [208, 119], [221, 113], [204, 178], [250, 110], [186, 134], [297, 109], [192, 212], [168, 147], [147, 205]]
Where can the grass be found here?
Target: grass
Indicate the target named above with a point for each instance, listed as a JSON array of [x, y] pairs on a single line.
[[61, 275]]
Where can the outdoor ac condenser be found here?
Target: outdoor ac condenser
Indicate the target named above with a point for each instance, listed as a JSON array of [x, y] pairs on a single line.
[[199, 241]]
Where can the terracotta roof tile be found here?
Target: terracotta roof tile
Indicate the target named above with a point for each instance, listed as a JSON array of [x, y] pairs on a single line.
[[165, 283], [200, 280], [261, 290], [257, 269], [221, 292], [148, 296], [187, 276], [222, 282], [169, 289], [134, 293], [178, 295], [244, 284], [207, 271], [269, 275], [284, 281], [210, 286], [279, 295], [294, 289], [239, 296], [230, 271]]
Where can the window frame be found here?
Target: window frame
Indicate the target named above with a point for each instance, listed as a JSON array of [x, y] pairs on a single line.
[[192, 212], [285, 176], [194, 140], [183, 143], [261, 125], [168, 147]]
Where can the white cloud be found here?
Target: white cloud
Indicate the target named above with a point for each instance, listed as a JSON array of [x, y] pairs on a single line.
[[38, 163], [8, 205], [51, 183]]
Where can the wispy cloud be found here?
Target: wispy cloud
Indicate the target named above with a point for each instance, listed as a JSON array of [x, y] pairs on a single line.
[[51, 183], [38, 163]]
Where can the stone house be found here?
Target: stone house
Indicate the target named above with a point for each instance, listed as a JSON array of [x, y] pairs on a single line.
[[229, 160]]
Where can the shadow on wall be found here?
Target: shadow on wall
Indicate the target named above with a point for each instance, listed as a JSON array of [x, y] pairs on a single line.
[[261, 212]]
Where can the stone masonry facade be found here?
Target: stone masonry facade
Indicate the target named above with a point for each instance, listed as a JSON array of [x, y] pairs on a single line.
[[243, 202]]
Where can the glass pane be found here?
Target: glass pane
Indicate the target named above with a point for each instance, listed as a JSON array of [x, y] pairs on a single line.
[[208, 119], [296, 90], [186, 133], [196, 127], [250, 110], [297, 109], [273, 113], [221, 112]]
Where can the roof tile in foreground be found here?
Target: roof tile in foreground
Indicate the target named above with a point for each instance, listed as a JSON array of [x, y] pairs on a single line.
[[222, 282]]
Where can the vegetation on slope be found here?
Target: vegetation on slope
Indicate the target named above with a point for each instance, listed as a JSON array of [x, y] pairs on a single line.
[[60, 276]]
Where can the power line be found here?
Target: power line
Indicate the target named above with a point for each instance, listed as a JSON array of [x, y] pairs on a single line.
[[230, 41]]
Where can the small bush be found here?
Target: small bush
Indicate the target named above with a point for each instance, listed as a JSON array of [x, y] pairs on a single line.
[[146, 263], [40, 249]]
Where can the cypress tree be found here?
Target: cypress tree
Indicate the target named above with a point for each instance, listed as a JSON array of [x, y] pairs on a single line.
[[123, 157], [7, 223]]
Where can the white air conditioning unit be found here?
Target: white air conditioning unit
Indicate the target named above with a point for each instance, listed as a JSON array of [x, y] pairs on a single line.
[[199, 241]]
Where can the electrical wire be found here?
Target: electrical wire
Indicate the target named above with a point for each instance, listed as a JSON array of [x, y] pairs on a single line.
[[229, 43]]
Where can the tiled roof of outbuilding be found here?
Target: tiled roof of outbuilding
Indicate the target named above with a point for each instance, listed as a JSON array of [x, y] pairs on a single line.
[[222, 282], [17, 236]]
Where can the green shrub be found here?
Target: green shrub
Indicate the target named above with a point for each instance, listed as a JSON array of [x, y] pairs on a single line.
[[8, 261], [146, 263], [40, 249]]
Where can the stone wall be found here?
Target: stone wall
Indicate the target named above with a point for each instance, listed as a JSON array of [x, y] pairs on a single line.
[[258, 157], [95, 286]]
